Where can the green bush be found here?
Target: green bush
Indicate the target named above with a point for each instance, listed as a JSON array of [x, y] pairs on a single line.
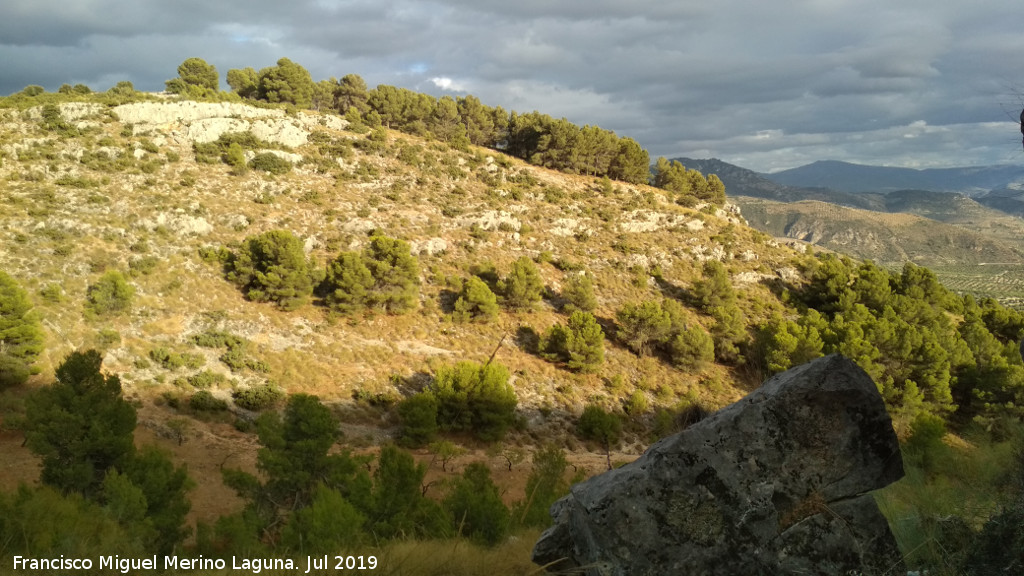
[[237, 359], [173, 360], [205, 401], [217, 339], [257, 398], [476, 302], [270, 162], [110, 295], [475, 398], [206, 379]]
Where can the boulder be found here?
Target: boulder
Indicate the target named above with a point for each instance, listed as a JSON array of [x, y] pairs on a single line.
[[777, 483]]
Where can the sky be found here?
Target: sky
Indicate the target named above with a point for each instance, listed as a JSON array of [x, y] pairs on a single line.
[[767, 85]]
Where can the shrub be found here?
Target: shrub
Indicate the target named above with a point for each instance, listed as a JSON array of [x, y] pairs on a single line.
[[217, 339], [270, 162], [206, 379], [205, 401], [272, 267], [172, 360], [257, 398], [475, 398], [110, 295], [235, 157]]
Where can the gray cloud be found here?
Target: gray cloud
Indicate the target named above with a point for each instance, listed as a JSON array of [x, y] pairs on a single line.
[[765, 85]]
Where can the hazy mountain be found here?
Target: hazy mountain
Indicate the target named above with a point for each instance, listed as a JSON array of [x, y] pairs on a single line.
[[847, 177], [743, 182]]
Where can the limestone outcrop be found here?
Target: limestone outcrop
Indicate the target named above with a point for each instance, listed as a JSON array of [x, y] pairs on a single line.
[[206, 121], [777, 483]]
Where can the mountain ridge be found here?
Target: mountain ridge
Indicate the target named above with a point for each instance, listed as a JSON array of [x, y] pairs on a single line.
[[858, 178]]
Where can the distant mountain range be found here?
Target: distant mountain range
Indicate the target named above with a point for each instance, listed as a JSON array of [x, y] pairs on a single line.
[[924, 216], [846, 177], [872, 187]]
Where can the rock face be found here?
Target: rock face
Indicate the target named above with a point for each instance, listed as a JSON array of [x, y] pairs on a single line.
[[776, 483]]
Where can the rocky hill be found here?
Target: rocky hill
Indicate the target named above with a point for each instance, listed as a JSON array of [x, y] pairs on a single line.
[[130, 188]]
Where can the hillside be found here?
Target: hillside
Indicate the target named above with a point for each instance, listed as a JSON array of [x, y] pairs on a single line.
[[126, 192]]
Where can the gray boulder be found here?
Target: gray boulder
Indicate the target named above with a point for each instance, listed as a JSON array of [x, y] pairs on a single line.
[[777, 483]]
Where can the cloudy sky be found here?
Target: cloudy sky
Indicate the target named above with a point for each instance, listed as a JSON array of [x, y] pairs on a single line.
[[767, 84]]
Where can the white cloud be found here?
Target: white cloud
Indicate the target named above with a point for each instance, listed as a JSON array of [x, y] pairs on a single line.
[[447, 84]]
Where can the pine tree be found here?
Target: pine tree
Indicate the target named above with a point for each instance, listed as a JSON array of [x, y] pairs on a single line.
[[584, 344], [523, 286], [476, 302], [244, 82], [475, 505], [600, 426], [351, 93], [475, 398], [80, 425], [714, 289], [395, 274], [21, 339], [348, 283], [287, 82], [418, 416], [579, 294], [643, 325], [198, 73], [272, 267]]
